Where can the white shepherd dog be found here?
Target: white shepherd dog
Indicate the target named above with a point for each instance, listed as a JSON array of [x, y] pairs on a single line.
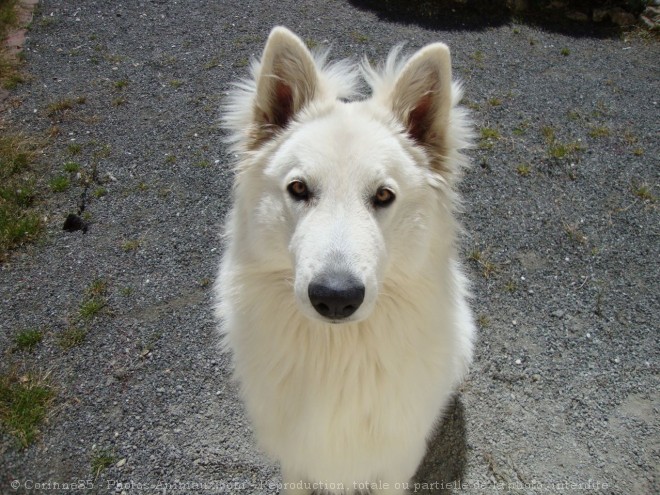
[[340, 294]]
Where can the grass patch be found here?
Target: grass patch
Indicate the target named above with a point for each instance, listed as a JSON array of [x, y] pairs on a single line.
[[524, 169], [574, 233], [214, 62], [565, 52], [489, 133], [177, 83], [486, 266], [28, 339], [92, 307], [478, 56], [558, 150], [95, 300], [126, 291], [643, 192], [10, 77], [19, 221], [131, 245], [599, 131], [71, 337], [101, 461], [71, 167], [24, 402], [521, 128], [483, 321], [359, 37], [488, 137], [548, 134], [8, 17], [59, 184], [74, 149], [59, 106], [99, 192]]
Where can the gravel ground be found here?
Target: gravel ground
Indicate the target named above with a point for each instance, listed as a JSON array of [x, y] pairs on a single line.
[[563, 250]]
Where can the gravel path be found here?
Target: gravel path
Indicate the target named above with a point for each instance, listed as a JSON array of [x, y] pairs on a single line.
[[563, 248]]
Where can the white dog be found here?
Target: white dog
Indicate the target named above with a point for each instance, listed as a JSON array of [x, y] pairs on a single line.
[[340, 294]]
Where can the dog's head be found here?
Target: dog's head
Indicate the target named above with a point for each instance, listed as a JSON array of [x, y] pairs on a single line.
[[342, 194]]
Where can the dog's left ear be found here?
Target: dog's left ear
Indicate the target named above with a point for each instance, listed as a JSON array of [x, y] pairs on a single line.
[[422, 97], [287, 81]]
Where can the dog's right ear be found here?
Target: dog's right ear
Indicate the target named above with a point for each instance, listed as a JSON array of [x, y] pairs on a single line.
[[287, 81]]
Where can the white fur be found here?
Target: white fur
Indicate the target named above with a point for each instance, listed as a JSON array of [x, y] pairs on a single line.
[[346, 402]]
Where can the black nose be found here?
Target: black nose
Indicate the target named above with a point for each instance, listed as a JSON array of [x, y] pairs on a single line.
[[336, 295]]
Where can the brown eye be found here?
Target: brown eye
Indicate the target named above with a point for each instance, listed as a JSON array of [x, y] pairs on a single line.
[[298, 190], [383, 197]]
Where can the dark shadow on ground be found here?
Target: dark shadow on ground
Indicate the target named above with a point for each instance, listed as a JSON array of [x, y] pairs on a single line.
[[478, 15], [443, 467]]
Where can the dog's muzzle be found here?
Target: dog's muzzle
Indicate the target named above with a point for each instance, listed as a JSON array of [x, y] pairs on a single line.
[[336, 295]]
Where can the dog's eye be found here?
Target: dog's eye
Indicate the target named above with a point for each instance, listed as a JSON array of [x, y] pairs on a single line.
[[298, 190], [383, 197]]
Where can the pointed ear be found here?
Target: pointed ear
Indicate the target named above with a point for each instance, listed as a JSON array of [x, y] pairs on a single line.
[[287, 81], [422, 97]]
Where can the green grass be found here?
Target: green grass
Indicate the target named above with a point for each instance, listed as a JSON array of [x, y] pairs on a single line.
[[99, 192], [523, 169], [574, 234], [95, 299], [74, 149], [131, 245], [59, 106], [559, 150], [59, 184], [28, 339], [92, 307], [19, 220], [599, 131], [565, 52], [478, 56], [126, 291], [548, 133], [644, 193], [71, 337], [177, 83], [10, 76], [71, 167], [8, 17], [121, 84], [359, 37], [486, 266], [521, 128], [214, 62], [102, 460], [488, 137], [24, 403], [489, 133], [483, 321], [494, 102]]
